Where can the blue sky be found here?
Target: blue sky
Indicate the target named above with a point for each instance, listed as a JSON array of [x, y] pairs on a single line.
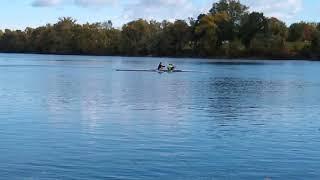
[[17, 14]]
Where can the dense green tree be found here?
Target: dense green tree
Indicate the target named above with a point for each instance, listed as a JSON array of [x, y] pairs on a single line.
[[235, 10], [277, 28], [296, 32], [301, 31], [113, 39], [228, 30], [88, 39], [233, 48], [267, 46], [276, 35], [134, 37], [206, 32], [161, 43], [315, 44], [63, 35], [251, 25], [266, 37], [179, 33], [224, 30], [13, 41], [172, 39]]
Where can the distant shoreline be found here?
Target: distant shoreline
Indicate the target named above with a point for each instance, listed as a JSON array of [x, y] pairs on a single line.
[[179, 57], [229, 30]]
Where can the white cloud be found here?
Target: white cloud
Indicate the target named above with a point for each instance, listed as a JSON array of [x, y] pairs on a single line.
[[283, 9], [148, 9], [178, 9], [161, 9], [44, 3], [87, 3], [83, 3], [181, 9]]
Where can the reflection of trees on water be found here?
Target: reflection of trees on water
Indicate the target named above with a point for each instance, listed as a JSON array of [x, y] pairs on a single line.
[[159, 93], [94, 96], [233, 97], [77, 96], [61, 94]]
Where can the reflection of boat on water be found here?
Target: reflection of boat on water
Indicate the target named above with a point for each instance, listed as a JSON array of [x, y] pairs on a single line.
[[169, 71], [151, 70]]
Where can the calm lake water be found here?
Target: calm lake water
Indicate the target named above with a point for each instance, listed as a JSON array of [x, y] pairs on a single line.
[[73, 117]]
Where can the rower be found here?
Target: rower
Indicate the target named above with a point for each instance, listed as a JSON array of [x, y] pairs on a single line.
[[171, 67], [160, 66]]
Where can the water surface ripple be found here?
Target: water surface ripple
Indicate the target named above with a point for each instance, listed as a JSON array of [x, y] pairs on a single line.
[[73, 117]]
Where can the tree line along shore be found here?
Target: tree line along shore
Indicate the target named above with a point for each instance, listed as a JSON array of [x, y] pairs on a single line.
[[228, 30]]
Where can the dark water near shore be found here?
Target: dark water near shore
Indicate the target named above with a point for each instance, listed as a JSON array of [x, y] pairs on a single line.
[[72, 117]]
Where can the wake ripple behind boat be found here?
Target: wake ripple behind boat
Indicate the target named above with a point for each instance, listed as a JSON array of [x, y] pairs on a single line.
[[151, 70]]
